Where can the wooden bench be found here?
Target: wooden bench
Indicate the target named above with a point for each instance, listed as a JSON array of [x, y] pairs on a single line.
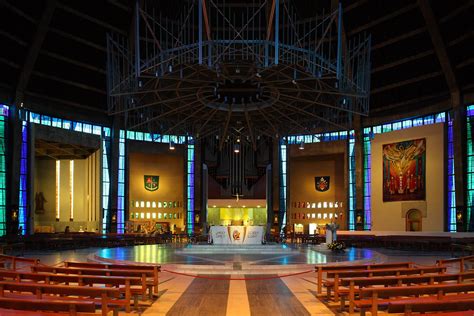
[[332, 268], [461, 313], [461, 261], [72, 307], [360, 283], [462, 303], [382, 296], [125, 284], [334, 283], [113, 266], [14, 260], [144, 275], [106, 295]]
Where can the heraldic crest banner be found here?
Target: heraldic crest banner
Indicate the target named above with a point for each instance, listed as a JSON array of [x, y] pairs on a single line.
[[151, 182], [404, 170], [321, 183]]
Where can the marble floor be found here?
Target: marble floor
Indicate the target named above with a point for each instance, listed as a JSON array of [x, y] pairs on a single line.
[[264, 292]]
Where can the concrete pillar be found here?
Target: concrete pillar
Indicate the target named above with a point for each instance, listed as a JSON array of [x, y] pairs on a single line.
[[276, 176], [205, 193], [13, 169]]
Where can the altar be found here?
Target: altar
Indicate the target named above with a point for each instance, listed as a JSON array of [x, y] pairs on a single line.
[[236, 235]]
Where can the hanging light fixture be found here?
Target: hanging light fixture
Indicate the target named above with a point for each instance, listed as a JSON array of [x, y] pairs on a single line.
[[301, 146], [172, 147], [236, 148]]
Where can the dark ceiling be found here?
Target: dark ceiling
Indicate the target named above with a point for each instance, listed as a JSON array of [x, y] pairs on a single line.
[[69, 75], [49, 150]]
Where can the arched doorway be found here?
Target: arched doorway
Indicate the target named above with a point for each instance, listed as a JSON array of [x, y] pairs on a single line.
[[414, 220]]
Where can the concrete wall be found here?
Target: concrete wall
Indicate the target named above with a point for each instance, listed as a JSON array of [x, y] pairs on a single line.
[[319, 159], [390, 216], [86, 197], [170, 168]]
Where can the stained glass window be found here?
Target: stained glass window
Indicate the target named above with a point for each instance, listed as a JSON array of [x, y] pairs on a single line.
[[190, 186]]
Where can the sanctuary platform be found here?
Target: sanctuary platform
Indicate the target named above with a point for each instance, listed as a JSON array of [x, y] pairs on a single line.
[[236, 259]]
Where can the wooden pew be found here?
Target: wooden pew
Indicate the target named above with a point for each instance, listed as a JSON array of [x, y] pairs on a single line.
[[14, 260], [462, 303], [145, 275], [333, 268], [461, 313], [334, 283], [71, 307], [382, 296], [113, 266], [123, 283], [461, 261], [106, 295], [360, 283]]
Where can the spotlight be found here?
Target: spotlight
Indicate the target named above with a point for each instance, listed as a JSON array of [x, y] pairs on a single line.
[[293, 81], [236, 148], [301, 146], [170, 68], [140, 83], [172, 147], [258, 75]]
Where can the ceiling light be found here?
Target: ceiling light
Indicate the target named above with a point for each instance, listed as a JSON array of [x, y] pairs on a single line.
[[301, 146], [172, 147], [236, 148]]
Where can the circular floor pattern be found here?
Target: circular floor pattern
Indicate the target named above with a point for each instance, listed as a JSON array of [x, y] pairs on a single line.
[[231, 259]]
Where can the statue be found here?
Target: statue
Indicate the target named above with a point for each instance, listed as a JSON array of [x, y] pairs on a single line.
[[331, 232], [39, 203]]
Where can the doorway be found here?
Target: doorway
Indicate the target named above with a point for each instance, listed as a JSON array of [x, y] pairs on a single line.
[[414, 220]]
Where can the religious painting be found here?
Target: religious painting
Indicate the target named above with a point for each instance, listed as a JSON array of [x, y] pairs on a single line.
[[404, 171], [151, 182], [322, 183]]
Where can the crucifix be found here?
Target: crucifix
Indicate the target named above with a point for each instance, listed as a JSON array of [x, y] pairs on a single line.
[[237, 196]]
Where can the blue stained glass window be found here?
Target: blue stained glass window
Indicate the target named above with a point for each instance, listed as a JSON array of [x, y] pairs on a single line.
[[470, 164], [121, 184], [23, 193], [3, 178], [190, 187]]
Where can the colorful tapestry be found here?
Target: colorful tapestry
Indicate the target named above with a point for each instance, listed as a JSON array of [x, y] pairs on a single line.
[[404, 171]]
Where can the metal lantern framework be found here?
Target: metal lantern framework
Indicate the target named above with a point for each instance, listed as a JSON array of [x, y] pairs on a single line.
[[237, 71]]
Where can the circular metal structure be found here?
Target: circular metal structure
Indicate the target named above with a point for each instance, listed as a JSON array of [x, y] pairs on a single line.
[[245, 72]]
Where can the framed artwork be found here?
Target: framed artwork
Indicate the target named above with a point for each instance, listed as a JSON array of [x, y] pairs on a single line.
[[404, 170]]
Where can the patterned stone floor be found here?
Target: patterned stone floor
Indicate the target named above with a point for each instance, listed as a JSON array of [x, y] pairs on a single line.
[[259, 294]]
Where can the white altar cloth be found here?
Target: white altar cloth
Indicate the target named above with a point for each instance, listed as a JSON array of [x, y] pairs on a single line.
[[237, 235]]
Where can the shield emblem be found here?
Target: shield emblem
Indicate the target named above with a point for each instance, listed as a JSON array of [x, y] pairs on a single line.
[[152, 183], [322, 183]]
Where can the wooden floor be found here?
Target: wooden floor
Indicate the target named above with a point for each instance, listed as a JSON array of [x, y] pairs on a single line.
[[272, 297], [203, 297], [265, 297]]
